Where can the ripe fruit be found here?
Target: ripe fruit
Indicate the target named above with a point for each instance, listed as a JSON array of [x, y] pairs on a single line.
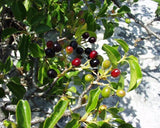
[[93, 54], [76, 62], [69, 49], [79, 50], [94, 62], [120, 93], [106, 91], [49, 44], [49, 53], [51, 73], [106, 64], [85, 35], [88, 78], [92, 40], [74, 44], [115, 72], [88, 51], [57, 47]]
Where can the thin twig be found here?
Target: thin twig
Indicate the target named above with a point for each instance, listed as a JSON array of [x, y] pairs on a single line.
[[150, 32]]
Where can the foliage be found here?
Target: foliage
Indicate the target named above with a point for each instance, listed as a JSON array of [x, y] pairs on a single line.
[[29, 23]]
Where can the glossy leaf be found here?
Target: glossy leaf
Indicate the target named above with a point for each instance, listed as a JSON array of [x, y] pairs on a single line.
[[8, 65], [36, 50], [18, 10], [9, 124], [17, 89], [127, 125], [135, 73], [92, 125], [123, 44], [23, 47], [113, 54], [93, 96], [59, 109], [73, 124], [114, 111], [7, 32], [23, 114], [109, 29], [124, 9], [42, 28], [103, 9], [71, 74], [2, 93]]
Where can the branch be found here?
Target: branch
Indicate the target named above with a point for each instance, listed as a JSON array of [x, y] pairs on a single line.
[[150, 32]]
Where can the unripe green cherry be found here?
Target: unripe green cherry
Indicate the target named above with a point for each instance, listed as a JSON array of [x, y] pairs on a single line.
[[106, 64], [88, 78], [127, 20], [106, 91], [120, 93]]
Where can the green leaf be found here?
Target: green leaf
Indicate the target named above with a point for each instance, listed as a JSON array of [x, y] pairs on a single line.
[[102, 115], [41, 28], [93, 99], [36, 50], [23, 114], [17, 89], [59, 109], [73, 124], [18, 10], [71, 74], [127, 125], [2, 93], [72, 89], [114, 111], [8, 65], [109, 28], [27, 4], [23, 47], [124, 9], [103, 10], [7, 32], [113, 54], [9, 124], [92, 125], [123, 44], [135, 73]]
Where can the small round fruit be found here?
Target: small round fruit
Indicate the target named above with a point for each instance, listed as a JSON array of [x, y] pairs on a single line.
[[88, 78], [127, 20], [115, 72], [76, 62], [52, 73], [49, 44], [120, 93], [57, 47], [49, 53], [85, 35], [88, 51], [92, 40], [74, 44], [94, 62], [106, 64], [93, 54], [79, 50], [69, 49], [106, 91]]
